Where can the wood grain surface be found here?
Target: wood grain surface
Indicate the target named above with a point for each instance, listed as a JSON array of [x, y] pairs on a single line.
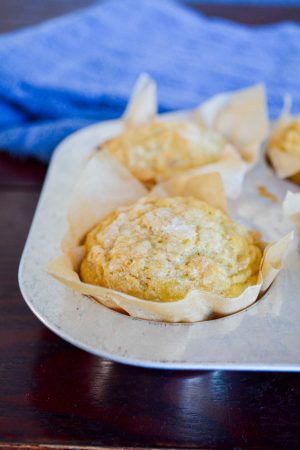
[[53, 395]]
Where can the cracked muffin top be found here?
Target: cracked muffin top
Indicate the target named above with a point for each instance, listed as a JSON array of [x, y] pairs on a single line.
[[161, 248], [156, 151], [288, 138]]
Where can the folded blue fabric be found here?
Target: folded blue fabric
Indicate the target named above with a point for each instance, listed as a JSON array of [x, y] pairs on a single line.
[[72, 71]]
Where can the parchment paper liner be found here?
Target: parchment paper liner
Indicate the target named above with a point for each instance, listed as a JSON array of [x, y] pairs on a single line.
[[291, 208], [285, 164], [239, 116], [103, 187]]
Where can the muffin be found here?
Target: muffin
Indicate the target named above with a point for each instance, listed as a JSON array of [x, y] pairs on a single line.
[[160, 249], [289, 139], [156, 151], [172, 258], [284, 149]]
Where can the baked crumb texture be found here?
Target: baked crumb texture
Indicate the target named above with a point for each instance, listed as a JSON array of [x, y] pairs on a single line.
[[289, 139], [264, 192], [161, 248], [156, 151]]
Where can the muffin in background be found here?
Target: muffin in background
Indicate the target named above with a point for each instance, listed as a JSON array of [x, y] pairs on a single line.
[[156, 151]]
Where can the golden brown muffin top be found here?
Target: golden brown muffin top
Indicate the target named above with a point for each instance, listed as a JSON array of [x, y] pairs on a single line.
[[288, 139], [156, 151], [161, 248]]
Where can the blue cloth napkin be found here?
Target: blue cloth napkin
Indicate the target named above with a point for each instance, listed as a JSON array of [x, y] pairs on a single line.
[[72, 71]]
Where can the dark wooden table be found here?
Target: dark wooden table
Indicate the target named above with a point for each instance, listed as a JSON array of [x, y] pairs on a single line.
[[53, 395]]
